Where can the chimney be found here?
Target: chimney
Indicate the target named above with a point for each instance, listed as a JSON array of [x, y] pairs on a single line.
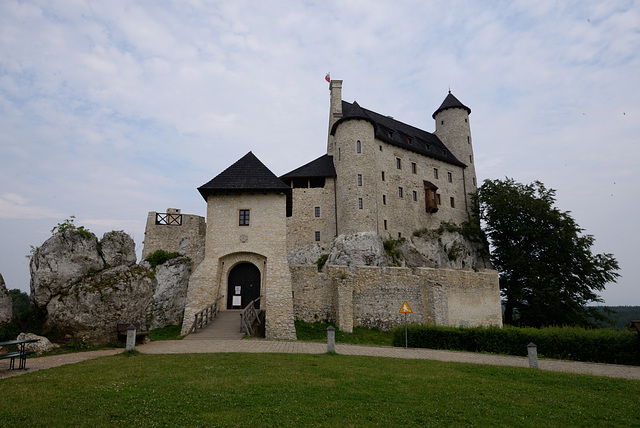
[[335, 112]]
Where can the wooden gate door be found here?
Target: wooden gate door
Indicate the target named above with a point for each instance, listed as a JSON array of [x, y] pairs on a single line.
[[243, 286]]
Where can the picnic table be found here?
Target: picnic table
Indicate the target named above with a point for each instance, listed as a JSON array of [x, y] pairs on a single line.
[[21, 353]]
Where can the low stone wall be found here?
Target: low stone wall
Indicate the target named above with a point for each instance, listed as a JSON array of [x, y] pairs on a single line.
[[372, 296]]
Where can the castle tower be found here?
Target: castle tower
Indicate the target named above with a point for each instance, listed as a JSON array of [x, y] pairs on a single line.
[[453, 129], [356, 171], [335, 111]]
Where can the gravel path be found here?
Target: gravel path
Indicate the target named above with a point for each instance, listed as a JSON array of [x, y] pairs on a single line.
[[281, 346]]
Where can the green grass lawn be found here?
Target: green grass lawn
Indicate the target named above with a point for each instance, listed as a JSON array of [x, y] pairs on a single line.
[[317, 332], [309, 390]]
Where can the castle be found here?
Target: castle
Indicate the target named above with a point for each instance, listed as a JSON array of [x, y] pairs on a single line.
[[379, 176]]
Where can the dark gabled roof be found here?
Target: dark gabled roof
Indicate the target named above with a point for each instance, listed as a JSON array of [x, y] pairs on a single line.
[[246, 175], [398, 134], [321, 167], [450, 102]]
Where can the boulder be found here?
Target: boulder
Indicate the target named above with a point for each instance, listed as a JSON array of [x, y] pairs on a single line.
[[42, 345], [167, 304], [90, 309], [360, 249], [118, 249], [6, 303], [62, 260]]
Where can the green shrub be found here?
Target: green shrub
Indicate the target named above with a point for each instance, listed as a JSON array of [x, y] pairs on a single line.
[[321, 261], [159, 257], [572, 343]]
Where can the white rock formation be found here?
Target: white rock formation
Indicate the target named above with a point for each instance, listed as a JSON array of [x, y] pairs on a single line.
[[167, 304], [6, 303], [42, 345]]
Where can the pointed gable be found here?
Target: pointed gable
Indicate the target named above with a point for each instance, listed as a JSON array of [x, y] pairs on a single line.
[[321, 167], [246, 175], [451, 102]]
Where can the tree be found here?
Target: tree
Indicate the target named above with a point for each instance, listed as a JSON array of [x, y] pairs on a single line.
[[548, 273]]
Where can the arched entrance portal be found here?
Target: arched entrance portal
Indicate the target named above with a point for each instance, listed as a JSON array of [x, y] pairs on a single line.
[[244, 286]]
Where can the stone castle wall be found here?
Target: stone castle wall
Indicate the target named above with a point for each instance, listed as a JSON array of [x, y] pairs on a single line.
[[303, 224], [186, 238], [371, 297]]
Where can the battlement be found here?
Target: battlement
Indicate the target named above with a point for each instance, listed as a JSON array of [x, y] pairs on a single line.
[[175, 232]]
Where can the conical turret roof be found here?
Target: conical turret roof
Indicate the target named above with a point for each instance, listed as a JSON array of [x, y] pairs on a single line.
[[450, 102], [248, 174]]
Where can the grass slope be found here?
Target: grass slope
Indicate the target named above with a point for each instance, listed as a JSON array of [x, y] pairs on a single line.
[[319, 390]]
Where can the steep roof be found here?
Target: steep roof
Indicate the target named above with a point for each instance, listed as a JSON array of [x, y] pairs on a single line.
[[321, 167], [399, 134], [450, 102], [246, 175]]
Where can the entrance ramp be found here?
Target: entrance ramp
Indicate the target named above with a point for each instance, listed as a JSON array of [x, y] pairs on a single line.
[[225, 326]]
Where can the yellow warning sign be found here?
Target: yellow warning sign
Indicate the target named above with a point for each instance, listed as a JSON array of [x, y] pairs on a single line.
[[405, 309]]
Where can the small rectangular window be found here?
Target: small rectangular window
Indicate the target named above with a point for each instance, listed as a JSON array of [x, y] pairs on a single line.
[[358, 147], [470, 159], [359, 179], [400, 192], [415, 196], [474, 181], [414, 168], [339, 157], [385, 225], [450, 177], [380, 147], [244, 217], [453, 202], [382, 175], [317, 211], [360, 204], [317, 235], [435, 173], [438, 198], [384, 199], [398, 163]]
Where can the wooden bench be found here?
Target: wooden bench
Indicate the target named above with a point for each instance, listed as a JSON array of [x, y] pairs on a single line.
[[122, 332], [21, 354]]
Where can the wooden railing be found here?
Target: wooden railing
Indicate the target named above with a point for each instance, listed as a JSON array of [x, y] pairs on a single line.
[[169, 219], [248, 317], [205, 316]]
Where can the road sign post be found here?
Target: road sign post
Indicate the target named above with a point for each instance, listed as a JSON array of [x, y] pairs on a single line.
[[405, 309]]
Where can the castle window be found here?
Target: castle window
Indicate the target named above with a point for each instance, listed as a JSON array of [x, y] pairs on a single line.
[[359, 179], [385, 225], [415, 196], [435, 173], [360, 204], [470, 159], [468, 140], [358, 147], [244, 217], [384, 199], [414, 168], [432, 198], [380, 147], [339, 157], [442, 122], [398, 163], [466, 121], [438, 198], [317, 211], [449, 177], [317, 235], [453, 202], [382, 175], [399, 235], [474, 181], [400, 192]]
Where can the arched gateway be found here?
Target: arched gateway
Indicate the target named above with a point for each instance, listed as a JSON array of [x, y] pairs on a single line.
[[243, 286]]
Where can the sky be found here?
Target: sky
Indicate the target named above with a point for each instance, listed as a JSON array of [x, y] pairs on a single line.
[[110, 110]]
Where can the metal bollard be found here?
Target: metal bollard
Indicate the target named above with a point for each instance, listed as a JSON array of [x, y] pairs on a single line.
[[532, 351], [331, 340], [131, 337]]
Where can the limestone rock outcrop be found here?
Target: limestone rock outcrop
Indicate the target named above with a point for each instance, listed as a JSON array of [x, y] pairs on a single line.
[[167, 304], [442, 247], [6, 303], [62, 260], [42, 345], [87, 286]]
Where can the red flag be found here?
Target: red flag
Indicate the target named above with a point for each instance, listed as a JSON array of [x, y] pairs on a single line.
[[328, 77]]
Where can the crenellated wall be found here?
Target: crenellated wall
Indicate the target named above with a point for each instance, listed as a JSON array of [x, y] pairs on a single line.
[[372, 296]]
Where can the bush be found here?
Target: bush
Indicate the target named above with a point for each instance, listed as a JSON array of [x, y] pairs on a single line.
[[159, 257], [572, 343]]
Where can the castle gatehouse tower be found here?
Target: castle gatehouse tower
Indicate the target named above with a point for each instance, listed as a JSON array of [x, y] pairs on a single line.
[[246, 247]]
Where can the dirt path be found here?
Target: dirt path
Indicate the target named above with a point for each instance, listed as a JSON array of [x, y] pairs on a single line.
[[281, 346]]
